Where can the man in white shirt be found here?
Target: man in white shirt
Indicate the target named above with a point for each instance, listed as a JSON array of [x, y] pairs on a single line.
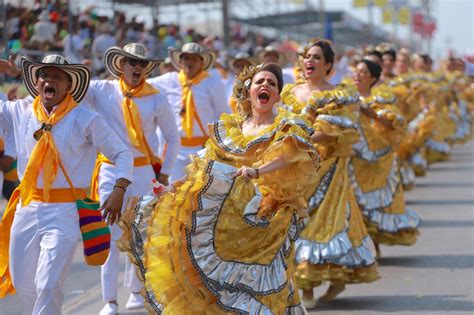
[[196, 97], [134, 110], [271, 54], [73, 46], [236, 65], [44, 30], [101, 43], [56, 139]]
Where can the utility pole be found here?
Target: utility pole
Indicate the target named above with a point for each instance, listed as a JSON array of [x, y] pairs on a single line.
[[5, 31], [322, 18], [427, 7], [395, 25], [225, 22], [70, 27], [370, 8]]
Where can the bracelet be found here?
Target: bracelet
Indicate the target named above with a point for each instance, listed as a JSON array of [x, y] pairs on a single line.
[[120, 186], [19, 76], [257, 171]]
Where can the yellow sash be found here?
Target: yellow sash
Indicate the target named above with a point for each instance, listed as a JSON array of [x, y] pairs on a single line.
[[189, 107], [44, 155], [94, 192], [6, 285], [132, 118], [134, 127]]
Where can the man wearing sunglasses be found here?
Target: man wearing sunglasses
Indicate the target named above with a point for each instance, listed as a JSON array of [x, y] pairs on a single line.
[[136, 111]]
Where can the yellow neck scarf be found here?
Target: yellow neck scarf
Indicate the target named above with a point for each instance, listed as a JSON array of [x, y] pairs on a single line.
[[188, 100], [132, 116], [45, 154]]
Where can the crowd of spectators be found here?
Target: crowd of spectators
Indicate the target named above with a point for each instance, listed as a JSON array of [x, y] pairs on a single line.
[[38, 29]]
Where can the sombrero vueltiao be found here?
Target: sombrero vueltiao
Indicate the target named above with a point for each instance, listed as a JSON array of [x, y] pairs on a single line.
[[79, 74], [192, 48], [271, 49], [240, 56], [114, 55]]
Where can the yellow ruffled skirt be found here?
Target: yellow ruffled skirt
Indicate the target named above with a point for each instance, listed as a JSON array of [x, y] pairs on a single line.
[[204, 249], [334, 244], [379, 193]]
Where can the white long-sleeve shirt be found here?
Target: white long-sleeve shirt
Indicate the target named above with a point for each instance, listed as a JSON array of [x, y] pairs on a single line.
[[78, 137], [105, 97], [7, 136], [209, 97]]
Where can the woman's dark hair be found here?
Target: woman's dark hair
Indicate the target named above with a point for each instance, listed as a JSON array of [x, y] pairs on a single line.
[[276, 70], [328, 52], [390, 52], [374, 69], [375, 53], [426, 59]]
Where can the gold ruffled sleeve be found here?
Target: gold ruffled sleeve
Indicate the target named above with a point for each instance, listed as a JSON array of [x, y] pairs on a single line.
[[289, 99], [338, 122], [385, 107], [288, 185]]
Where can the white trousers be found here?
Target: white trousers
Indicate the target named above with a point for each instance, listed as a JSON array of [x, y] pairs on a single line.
[[43, 240], [142, 177], [179, 168]]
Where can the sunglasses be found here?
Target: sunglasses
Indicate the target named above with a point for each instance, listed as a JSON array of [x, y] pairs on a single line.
[[135, 62]]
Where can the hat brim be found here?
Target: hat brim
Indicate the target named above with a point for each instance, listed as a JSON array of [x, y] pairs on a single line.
[[114, 55], [208, 56], [231, 60], [79, 74], [281, 57]]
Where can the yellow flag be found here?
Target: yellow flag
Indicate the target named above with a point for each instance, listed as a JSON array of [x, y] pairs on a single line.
[[380, 3], [360, 3], [387, 15], [404, 15]]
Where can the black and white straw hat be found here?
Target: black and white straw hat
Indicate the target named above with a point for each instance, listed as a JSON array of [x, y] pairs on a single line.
[[80, 74], [271, 49], [230, 60], [192, 48], [114, 55]]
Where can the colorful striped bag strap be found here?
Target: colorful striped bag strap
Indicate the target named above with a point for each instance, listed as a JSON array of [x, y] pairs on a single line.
[[95, 232]]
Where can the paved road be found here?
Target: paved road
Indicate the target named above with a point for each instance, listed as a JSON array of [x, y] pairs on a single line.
[[436, 276]]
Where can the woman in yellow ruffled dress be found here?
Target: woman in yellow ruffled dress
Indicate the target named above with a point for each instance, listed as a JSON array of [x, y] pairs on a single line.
[[459, 109], [409, 107], [222, 242], [334, 245], [420, 129], [374, 169]]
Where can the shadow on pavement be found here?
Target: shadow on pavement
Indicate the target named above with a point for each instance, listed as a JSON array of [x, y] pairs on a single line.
[[399, 303], [446, 223], [451, 168], [446, 184], [430, 261], [440, 202]]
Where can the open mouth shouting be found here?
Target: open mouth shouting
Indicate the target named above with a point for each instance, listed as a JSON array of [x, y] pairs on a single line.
[[310, 68], [49, 92], [136, 75], [263, 96]]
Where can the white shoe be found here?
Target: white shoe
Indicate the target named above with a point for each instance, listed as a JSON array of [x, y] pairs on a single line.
[[309, 303], [109, 309], [135, 301]]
